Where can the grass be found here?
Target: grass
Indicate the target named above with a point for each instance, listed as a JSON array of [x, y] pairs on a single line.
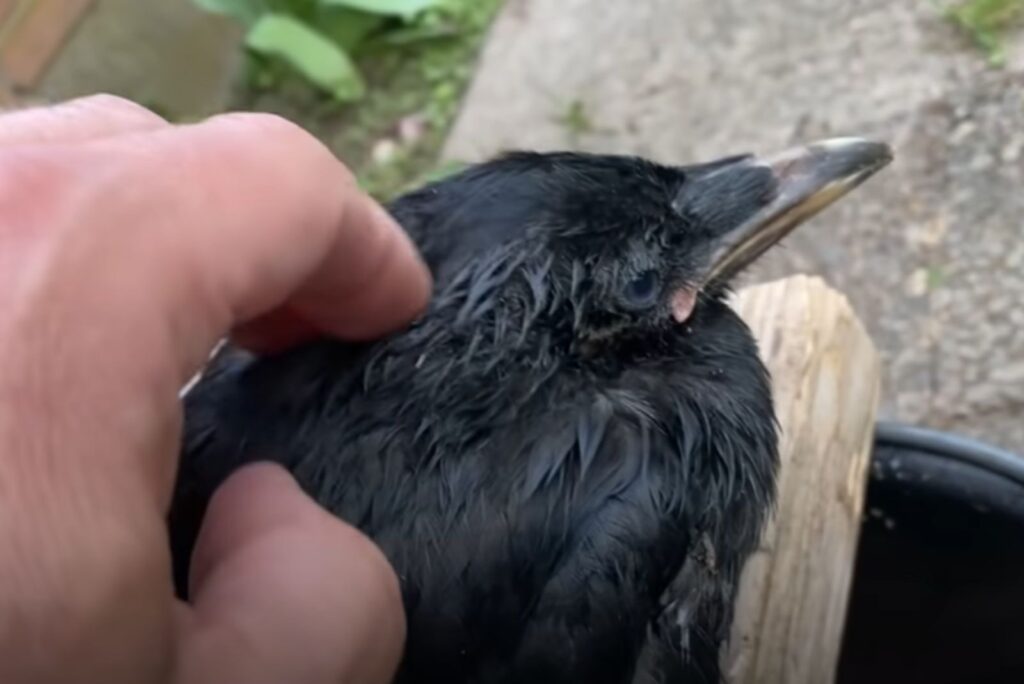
[[420, 85], [936, 277], [576, 120], [986, 22]]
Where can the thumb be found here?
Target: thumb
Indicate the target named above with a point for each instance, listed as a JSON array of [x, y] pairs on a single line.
[[282, 591]]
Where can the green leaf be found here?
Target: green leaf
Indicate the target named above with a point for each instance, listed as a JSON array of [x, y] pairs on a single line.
[[418, 34], [308, 51], [407, 9], [246, 11], [348, 28]]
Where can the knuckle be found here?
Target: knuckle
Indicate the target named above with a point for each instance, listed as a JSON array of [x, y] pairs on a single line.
[[271, 127], [123, 110], [277, 131]]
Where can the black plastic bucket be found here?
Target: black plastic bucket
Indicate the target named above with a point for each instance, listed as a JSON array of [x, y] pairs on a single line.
[[938, 591]]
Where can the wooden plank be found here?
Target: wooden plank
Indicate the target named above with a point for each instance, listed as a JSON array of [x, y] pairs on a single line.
[[7, 98], [826, 373], [6, 7], [34, 41]]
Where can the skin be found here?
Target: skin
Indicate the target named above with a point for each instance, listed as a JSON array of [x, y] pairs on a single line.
[[128, 247]]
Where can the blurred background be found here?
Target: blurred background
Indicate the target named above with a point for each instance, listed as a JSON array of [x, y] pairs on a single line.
[[930, 252]]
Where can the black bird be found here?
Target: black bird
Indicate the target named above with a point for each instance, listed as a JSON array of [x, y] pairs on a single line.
[[570, 455]]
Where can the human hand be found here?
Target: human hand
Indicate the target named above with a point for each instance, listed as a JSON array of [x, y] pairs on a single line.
[[128, 248]]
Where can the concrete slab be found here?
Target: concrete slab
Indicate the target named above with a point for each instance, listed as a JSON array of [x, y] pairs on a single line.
[[166, 54], [930, 253]]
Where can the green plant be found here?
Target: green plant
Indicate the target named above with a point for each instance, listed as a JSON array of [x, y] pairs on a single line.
[[576, 119], [936, 276], [985, 21], [322, 39], [415, 73]]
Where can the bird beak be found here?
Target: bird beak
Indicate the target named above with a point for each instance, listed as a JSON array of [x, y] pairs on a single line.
[[808, 179]]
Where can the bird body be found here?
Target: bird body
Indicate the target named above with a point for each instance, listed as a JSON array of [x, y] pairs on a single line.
[[568, 457]]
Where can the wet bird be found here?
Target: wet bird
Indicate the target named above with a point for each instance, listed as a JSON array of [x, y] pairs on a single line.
[[570, 455]]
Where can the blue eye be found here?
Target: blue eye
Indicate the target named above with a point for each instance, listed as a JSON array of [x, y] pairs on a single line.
[[643, 290]]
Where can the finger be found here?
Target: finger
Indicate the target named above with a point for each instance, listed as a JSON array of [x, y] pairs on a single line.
[[274, 331], [284, 592], [156, 245], [87, 118], [256, 215], [354, 298]]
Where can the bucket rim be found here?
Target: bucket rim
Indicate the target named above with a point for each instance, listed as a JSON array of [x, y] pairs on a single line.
[[952, 446]]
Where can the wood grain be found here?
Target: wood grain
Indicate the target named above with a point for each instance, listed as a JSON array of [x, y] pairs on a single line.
[[36, 37], [6, 7], [826, 375]]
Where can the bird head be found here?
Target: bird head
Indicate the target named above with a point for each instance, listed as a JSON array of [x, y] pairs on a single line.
[[617, 246]]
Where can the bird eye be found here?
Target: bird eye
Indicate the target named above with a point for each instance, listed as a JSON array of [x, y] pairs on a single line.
[[642, 291]]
